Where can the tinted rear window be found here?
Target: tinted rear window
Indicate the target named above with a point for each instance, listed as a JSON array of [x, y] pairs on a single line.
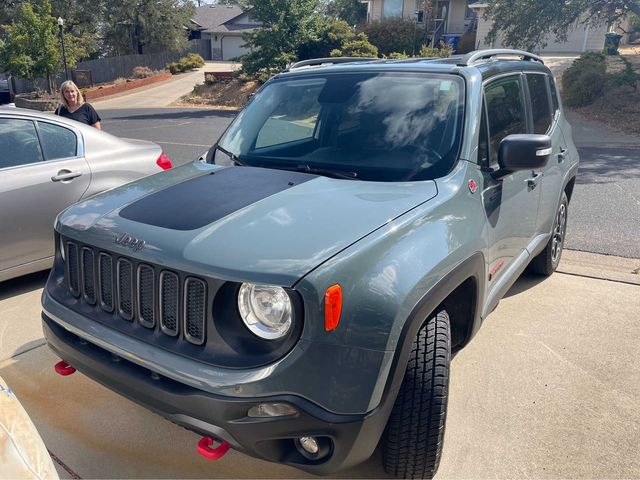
[[540, 103]]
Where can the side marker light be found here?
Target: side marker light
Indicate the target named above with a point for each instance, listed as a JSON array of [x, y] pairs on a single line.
[[332, 307]]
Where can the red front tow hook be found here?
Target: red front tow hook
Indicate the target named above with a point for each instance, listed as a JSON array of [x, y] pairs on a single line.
[[63, 368], [204, 448]]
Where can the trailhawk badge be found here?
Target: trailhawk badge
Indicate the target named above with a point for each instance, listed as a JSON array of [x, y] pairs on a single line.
[[127, 240]]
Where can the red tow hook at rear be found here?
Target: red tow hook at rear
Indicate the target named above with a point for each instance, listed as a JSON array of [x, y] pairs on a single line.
[[63, 368], [204, 448]]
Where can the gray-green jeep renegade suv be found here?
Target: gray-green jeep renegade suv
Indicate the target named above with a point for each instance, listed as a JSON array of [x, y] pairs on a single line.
[[296, 294]]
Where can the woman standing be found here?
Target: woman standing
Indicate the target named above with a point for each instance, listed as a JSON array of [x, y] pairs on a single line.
[[74, 107]]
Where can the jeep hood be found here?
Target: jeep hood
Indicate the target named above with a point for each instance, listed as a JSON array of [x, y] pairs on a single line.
[[240, 223]]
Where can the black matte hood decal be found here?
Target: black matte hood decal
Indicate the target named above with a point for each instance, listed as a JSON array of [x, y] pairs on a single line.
[[203, 200]]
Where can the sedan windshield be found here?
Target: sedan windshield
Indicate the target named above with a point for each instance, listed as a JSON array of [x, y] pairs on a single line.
[[364, 126]]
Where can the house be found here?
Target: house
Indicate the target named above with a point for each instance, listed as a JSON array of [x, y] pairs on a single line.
[[219, 29], [448, 17], [582, 38], [452, 18]]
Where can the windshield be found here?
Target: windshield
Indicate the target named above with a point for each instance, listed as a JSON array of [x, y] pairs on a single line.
[[368, 126]]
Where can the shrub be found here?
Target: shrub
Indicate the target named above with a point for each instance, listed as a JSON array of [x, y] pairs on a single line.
[[397, 56], [584, 81], [394, 35], [142, 72], [359, 46], [196, 60], [191, 61], [429, 52], [331, 35]]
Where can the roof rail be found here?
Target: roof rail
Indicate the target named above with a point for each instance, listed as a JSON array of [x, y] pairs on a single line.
[[318, 62], [473, 57]]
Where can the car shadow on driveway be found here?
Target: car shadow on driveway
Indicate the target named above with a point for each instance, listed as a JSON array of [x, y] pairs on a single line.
[[172, 115], [25, 284], [526, 281]]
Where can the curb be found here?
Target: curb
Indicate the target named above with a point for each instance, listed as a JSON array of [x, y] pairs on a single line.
[[601, 267]]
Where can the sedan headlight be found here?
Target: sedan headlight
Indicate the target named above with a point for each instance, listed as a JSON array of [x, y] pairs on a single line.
[[265, 310]]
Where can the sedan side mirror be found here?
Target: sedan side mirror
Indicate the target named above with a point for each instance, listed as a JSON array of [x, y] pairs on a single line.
[[524, 152]]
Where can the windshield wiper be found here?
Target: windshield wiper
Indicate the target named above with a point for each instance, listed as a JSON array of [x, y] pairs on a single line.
[[234, 158], [325, 171]]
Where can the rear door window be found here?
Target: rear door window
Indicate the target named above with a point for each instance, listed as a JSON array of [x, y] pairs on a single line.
[[57, 142], [505, 109], [18, 143], [540, 103]]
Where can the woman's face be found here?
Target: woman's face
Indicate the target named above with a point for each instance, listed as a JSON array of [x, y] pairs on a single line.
[[70, 95]]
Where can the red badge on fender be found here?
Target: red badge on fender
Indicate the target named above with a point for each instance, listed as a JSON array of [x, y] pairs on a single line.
[[473, 186]]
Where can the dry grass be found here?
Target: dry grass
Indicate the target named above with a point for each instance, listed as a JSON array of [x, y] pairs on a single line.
[[230, 94], [619, 106]]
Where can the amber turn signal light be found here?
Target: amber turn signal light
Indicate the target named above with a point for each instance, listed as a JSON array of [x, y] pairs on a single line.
[[332, 307]]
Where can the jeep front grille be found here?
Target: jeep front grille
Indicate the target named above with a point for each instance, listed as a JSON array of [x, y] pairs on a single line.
[[125, 289], [146, 294], [88, 276], [140, 293], [169, 303], [73, 272], [195, 292], [105, 273]]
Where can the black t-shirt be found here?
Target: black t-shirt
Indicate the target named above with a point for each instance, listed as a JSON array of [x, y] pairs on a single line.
[[85, 114]]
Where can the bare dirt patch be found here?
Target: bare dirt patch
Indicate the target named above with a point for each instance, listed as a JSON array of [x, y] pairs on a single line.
[[228, 94], [619, 106]]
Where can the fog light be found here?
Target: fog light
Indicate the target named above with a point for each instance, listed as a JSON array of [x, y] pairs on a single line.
[[263, 410], [309, 444]]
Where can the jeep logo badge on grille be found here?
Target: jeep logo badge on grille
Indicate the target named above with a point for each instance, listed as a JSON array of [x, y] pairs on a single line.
[[127, 240]]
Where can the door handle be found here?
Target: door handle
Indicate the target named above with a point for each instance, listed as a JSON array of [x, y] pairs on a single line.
[[533, 181], [64, 175], [562, 155]]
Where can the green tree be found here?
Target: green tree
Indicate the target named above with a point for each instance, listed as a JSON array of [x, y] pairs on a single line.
[[286, 24], [354, 12], [394, 35], [146, 26], [527, 24], [359, 46], [330, 35], [82, 21], [30, 49]]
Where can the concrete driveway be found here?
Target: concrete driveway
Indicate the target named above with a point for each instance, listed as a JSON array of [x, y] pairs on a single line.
[[550, 388], [164, 94]]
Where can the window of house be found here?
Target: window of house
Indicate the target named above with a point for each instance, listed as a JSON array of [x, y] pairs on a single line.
[[540, 103], [18, 143], [505, 110], [392, 8]]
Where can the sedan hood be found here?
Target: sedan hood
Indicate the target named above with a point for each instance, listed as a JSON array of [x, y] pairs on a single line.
[[243, 223]]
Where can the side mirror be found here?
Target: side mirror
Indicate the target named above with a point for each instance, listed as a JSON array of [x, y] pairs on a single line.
[[524, 152]]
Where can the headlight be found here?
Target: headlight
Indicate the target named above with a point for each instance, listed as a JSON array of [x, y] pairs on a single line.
[[265, 310]]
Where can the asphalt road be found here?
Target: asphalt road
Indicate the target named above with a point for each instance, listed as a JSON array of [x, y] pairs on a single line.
[[183, 133], [604, 213]]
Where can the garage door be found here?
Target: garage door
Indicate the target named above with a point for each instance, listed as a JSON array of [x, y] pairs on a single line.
[[232, 47]]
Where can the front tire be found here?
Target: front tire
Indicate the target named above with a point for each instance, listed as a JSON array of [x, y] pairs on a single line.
[[413, 438], [548, 260]]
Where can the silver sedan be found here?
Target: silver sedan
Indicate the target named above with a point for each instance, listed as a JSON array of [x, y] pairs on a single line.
[[48, 163]]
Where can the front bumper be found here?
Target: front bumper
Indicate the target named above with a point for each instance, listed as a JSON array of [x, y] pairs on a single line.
[[352, 438]]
